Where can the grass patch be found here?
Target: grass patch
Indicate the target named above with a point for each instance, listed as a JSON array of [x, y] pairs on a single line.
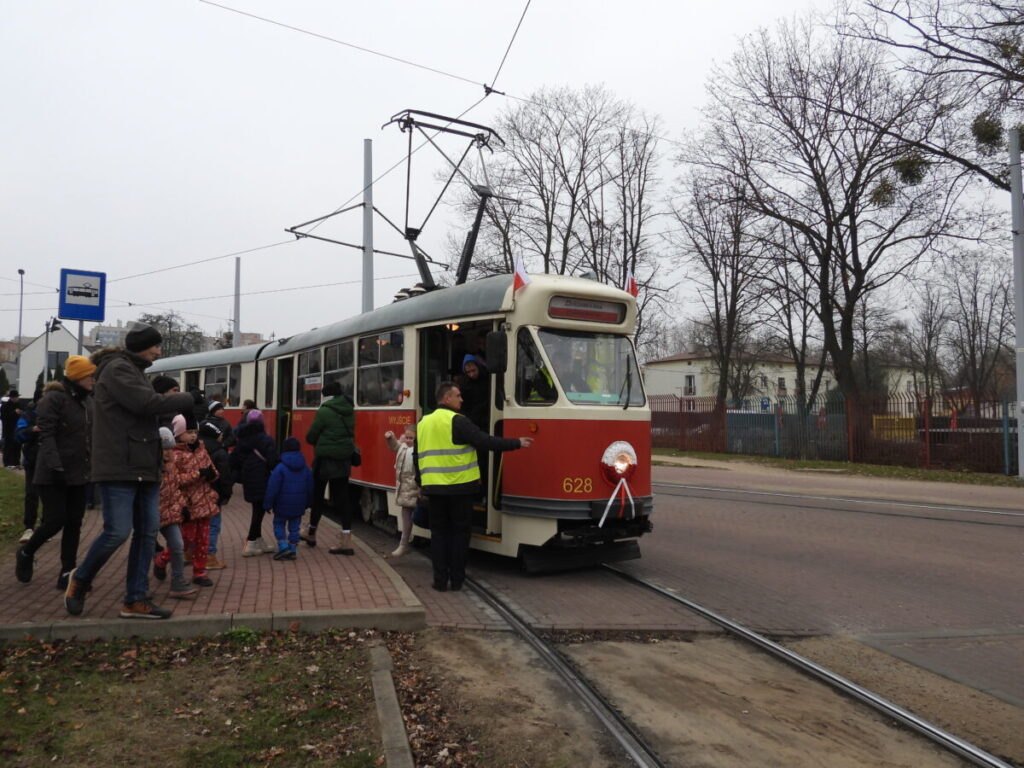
[[280, 700], [12, 505], [848, 468]]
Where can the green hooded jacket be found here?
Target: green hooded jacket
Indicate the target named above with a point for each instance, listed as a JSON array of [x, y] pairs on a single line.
[[333, 430]]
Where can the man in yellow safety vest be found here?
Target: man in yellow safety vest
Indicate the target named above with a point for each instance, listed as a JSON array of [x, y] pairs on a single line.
[[448, 474]]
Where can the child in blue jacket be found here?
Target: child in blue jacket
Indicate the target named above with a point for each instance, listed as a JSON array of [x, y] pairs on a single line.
[[289, 494]]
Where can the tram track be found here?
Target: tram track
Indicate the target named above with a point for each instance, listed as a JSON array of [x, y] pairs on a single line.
[[963, 749]]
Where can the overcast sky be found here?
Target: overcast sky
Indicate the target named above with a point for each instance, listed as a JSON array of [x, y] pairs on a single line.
[[142, 135]]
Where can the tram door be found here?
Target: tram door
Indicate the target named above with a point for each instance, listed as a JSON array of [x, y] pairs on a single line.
[[285, 384], [441, 352]]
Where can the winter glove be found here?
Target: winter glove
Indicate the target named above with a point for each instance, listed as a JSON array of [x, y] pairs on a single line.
[[166, 438], [186, 515], [208, 474]]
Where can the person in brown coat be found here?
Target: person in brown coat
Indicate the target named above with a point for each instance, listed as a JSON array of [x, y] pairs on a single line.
[[62, 466]]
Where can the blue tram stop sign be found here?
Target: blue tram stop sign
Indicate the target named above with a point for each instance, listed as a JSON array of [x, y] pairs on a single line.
[[83, 295], [766, 403]]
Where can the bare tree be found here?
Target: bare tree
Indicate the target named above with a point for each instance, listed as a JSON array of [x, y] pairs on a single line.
[[980, 328], [863, 206], [718, 244], [972, 51], [922, 341], [180, 337]]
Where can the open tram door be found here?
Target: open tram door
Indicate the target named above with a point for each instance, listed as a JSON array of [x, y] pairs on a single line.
[[442, 351], [285, 399]]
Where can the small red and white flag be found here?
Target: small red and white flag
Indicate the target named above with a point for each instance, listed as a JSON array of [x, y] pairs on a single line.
[[631, 285], [521, 279]]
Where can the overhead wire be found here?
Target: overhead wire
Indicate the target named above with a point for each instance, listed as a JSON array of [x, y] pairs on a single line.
[[509, 48]]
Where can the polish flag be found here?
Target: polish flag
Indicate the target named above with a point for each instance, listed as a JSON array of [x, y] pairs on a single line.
[[521, 279], [631, 285]]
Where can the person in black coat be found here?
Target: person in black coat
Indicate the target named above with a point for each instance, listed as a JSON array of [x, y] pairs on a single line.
[[9, 422], [212, 437], [62, 466], [252, 461], [27, 436]]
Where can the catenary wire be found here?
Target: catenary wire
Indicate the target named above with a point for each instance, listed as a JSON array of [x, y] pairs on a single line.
[[516, 32]]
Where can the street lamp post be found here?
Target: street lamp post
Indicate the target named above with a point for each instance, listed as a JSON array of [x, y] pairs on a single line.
[[52, 325], [21, 307]]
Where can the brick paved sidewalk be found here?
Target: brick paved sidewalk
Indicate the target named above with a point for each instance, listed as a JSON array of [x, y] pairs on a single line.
[[318, 590]]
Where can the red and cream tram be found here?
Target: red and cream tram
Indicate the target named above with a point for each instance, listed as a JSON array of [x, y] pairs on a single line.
[[562, 370]]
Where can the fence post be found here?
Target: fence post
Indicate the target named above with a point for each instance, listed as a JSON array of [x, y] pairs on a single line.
[[927, 433], [848, 409], [681, 430], [1006, 437]]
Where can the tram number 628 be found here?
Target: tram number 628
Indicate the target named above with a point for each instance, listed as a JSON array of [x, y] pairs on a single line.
[[577, 484]]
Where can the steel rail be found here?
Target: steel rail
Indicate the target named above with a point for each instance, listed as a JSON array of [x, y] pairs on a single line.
[[958, 746], [620, 730]]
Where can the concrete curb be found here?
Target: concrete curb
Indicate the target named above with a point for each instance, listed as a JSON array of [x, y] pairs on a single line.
[[392, 727]]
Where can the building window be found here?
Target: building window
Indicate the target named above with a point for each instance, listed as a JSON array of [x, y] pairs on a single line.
[[690, 385], [381, 369], [339, 366], [310, 381], [764, 382], [56, 362], [782, 385]]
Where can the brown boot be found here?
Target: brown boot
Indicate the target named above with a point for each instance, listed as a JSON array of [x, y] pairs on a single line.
[[344, 545], [214, 563], [309, 535]]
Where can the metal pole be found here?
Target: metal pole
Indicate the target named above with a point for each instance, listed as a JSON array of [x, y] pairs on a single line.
[[1017, 218], [46, 356], [236, 335], [21, 306], [367, 225], [81, 330]]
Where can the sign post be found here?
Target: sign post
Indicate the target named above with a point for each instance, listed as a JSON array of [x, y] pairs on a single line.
[[83, 296]]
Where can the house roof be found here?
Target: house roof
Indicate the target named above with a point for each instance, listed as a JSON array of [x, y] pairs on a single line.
[[695, 356]]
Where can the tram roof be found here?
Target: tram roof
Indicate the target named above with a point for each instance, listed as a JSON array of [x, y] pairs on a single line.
[[479, 297], [209, 358]]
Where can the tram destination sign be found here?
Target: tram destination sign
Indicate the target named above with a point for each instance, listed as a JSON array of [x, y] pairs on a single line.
[[572, 308], [83, 295]]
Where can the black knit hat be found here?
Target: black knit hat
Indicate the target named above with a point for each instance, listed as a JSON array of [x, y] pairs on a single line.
[[142, 337], [164, 384], [291, 444]]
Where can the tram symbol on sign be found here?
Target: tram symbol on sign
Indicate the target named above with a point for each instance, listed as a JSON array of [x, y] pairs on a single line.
[[765, 403], [81, 290]]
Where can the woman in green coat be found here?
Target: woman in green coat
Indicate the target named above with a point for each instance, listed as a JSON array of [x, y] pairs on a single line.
[[333, 437]]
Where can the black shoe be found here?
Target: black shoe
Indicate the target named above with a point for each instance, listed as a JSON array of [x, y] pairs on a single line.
[[203, 581], [341, 551], [62, 580], [23, 566], [281, 554], [74, 596], [440, 587], [144, 609], [456, 586]]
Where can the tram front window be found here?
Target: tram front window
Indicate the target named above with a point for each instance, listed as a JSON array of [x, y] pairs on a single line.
[[594, 368]]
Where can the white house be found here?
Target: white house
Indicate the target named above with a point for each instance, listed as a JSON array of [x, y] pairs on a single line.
[[62, 344]]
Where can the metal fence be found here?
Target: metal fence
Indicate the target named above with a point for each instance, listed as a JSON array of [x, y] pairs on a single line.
[[904, 430]]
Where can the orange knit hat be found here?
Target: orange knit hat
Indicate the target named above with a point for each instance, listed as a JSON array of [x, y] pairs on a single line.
[[77, 367]]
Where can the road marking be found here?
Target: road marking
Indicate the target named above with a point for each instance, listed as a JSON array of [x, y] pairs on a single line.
[[843, 499]]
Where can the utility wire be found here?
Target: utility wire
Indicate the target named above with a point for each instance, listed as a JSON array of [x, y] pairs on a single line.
[[201, 261], [342, 42], [523, 16]]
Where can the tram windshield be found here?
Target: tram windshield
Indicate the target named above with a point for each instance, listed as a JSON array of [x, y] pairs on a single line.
[[594, 368]]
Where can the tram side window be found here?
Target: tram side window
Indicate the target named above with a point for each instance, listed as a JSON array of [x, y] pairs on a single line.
[[191, 381], [234, 386], [381, 369], [268, 394], [215, 383], [534, 384], [339, 366], [310, 380]]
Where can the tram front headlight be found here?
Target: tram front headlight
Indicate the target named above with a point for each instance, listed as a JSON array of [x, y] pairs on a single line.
[[618, 462]]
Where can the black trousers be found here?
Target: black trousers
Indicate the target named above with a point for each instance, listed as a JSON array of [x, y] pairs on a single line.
[[12, 448], [256, 520], [63, 509], [451, 520], [31, 515], [340, 502]]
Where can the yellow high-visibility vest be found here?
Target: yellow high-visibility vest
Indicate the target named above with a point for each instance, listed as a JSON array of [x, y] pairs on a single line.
[[441, 461]]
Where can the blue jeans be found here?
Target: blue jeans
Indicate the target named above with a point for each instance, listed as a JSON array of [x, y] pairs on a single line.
[[129, 509], [214, 533], [292, 536]]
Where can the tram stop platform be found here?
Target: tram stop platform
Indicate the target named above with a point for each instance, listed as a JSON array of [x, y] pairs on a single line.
[[315, 592]]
